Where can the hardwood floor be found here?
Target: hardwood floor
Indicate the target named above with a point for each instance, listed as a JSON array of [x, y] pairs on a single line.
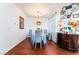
[[25, 48]]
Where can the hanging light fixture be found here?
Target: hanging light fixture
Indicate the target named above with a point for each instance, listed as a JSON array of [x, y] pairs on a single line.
[[38, 22]]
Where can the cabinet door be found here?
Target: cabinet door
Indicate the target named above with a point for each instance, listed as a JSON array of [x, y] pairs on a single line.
[[74, 40], [78, 42], [59, 37], [68, 39]]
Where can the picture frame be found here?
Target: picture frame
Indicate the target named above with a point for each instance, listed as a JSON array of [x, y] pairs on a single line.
[[75, 7], [21, 22], [75, 15]]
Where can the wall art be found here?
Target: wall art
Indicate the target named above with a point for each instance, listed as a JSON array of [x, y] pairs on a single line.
[[21, 22]]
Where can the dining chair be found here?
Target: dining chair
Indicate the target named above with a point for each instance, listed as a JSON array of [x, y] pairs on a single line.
[[43, 38], [33, 39], [38, 38], [46, 33], [29, 35]]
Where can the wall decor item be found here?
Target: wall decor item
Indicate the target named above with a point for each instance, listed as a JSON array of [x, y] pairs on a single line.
[[76, 16], [78, 23], [75, 7], [63, 17], [74, 24], [21, 22], [64, 8], [68, 7], [68, 11], [62, 12], [68, 16], [38, 23], [60, 23], [77, 27]]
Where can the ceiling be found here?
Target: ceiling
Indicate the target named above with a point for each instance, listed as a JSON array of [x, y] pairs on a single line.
[[45, 9]]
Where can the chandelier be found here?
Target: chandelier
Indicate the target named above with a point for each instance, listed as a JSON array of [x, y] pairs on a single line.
[[38, 22]]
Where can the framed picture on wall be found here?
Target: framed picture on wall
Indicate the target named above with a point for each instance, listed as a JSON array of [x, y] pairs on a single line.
[[21, 22]]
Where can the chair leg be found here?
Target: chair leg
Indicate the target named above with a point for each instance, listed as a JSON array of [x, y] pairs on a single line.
[[40, 46], [35, 45]]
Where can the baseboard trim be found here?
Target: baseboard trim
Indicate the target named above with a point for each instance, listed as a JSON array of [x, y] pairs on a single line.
[[13, 46]]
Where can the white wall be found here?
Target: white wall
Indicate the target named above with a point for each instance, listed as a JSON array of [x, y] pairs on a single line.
[[49, 24], [52, 28], [31, 23], [10, 34]]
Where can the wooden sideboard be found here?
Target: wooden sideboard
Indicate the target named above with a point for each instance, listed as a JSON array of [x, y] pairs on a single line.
[[68, 41]]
